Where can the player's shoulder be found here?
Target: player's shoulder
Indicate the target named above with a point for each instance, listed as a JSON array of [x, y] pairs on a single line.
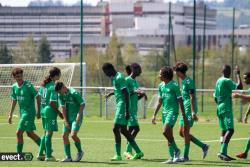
[[188, 80], [173, 83], [28, 83], [73, 91]]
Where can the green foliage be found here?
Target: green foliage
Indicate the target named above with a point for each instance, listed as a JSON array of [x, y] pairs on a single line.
[[44, 53], [26, 51], [5, 55], [113, 52], [130, 54]]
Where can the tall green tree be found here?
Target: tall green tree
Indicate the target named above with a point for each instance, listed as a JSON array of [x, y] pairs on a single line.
[[5, 55], [113, 52], [130, 54], [44, 53], [26, 51]]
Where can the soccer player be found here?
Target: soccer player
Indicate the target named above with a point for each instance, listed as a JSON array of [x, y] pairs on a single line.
[[72, 105], [49, 112], [24, 93], [223, 99], [245, 97], [135, 94], [190, 106], [122, 112], [170, 97]]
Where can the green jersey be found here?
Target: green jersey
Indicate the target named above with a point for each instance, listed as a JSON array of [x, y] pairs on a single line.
[[72, 101], [48, 94], [132, 85], [119, 83], [169, 94], [223, 94], [188, 87], [248, 92], [25, 96]]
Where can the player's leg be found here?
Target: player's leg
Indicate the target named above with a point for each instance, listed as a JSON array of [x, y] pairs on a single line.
[[19, 146], [66, 143], [51, 126], [244, 154], [117, 135], [133, 130], [74, 136], [139, 154], [41, 156]]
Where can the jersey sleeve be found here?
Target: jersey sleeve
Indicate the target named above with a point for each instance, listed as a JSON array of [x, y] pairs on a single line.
[[78, 98], [53, 95], [33, 90], [231, 85], [129, 86], [191, 87], [177, 91], [121, 83], [13, 94], [62, 102]]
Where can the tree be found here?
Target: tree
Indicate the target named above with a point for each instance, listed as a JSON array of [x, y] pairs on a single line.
[[5, 55], [113, 52], [26, 51], [130, 54], [44, 53]]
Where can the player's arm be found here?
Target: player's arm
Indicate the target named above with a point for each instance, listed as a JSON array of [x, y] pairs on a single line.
[[110, 94], [239, 82], [13, 105], [126, 98], [242, 96], [53, 103], [246, 115], [192, 99], [159, 104], [38, 103], [80, 112]]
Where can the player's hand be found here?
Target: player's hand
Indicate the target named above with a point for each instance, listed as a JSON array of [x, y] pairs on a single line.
[[126, 115], [153, 120], [236, 95], [194, 117], [60, 115], [237, 70], [245, 120], [10, 119], [66, 123]]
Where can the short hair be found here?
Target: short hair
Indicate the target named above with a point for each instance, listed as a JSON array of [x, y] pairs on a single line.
[[181, 67], [59, 86], [16, 71], [135, 66], [167, 72], [107, 66], [128, 69]]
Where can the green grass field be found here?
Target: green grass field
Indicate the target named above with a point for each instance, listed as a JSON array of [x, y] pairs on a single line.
[[97, 139]]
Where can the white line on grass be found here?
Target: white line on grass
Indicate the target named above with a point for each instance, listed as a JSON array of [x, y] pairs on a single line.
[[145, 140]]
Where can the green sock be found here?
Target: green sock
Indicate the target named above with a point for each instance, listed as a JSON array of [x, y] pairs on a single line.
[[197, 142], [186, 150], [38, 141], [118, 149], [42, 146], [247, 147], [223, 148], [19, 147], [135, 147], [171, 151], [67, 150], [128, 148], [174, 146], [78, 146], [48, 146]]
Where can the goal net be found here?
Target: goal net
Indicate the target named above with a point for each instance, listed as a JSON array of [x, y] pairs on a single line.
[[35, 73]]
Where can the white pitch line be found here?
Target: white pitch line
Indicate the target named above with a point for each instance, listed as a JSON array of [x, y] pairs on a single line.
[[145, 140]]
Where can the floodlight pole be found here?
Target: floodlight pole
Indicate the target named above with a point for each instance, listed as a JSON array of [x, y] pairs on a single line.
[[194, 39], [203, 56], [81, 46]]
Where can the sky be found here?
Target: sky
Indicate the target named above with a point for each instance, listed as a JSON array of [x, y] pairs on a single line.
[[69, 2]]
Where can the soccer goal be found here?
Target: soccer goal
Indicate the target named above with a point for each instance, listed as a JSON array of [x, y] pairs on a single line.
[[35, 73]]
